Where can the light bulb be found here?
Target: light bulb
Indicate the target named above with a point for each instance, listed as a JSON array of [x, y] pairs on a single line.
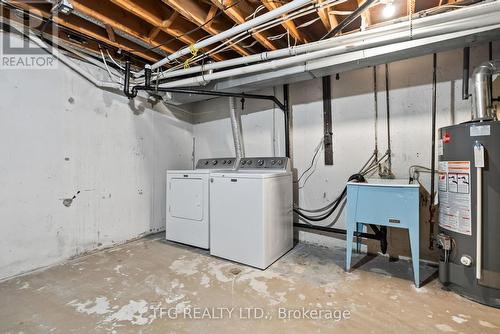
[[389, 10]]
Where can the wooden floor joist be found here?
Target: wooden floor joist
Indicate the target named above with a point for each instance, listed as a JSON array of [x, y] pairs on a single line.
[[328, 19], [89, 29], [288, 25], [151, 29], [164, 24], [90, 8], [192, 11], [233, 11], [365, 16]]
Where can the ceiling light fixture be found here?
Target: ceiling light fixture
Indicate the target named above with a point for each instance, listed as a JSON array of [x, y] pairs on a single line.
[[62, 6], [389, 9]]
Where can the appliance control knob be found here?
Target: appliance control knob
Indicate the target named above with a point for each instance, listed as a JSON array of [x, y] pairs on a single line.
[[260, 162], [249, 162], [214, 162], [229, 162], [206, 162], [273, 162], [466, 260], [243, 162], [280, 162]]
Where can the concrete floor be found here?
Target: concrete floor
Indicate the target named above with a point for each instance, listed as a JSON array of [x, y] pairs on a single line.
[[140, 287]]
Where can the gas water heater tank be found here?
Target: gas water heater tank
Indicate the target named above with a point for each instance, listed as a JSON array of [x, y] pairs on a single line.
[[469, 160]]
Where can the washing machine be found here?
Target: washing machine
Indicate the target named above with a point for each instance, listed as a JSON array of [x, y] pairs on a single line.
[[187, 195], [251, 212]]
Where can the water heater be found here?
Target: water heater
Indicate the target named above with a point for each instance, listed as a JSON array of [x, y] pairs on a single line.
[[469, 199]]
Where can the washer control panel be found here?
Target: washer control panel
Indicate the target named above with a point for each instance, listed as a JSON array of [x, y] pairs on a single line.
[[216, 163], [264, 162]]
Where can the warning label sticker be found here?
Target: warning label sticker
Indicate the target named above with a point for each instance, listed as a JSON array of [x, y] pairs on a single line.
[[455, 196]]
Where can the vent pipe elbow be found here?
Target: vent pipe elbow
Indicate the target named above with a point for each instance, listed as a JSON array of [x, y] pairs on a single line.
[[236, 128], [481, 97]]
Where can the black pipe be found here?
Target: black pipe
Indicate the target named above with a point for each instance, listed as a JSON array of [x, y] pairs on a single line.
[[336, 230], [490, 78], [433, 150], [327, 120], [147, 75], [348, 20], [126, 84], [283, 106], [465, 73], [135, 89], [286, 114]]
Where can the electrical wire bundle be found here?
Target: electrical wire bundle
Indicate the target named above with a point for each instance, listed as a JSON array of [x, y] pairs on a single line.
[[320, 214]]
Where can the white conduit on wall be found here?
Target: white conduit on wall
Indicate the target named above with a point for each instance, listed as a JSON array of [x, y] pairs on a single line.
[[233, 31], [306, 10], [434, 30], [372, 37]]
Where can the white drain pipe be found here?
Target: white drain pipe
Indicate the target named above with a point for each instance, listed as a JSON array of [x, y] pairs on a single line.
[[396, 32], [233, 31], [235, 117], [488, 15]]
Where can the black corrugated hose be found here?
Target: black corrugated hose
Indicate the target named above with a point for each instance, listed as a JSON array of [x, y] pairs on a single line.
[[355, 177]]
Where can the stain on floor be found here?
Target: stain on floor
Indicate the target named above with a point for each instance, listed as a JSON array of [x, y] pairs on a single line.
[[154, 286]]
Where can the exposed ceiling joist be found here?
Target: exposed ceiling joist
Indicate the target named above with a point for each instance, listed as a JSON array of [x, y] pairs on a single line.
[[288, 25], [151, 29], [232, 10], [192, 11], [159, 23], [210, 16], [365, 16], [328, 19], [56, 34], [163, 26], [88, 29], [89, 8], [111, 33]]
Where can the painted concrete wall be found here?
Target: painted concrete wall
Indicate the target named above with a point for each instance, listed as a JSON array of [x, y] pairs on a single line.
[[59, 135], [410, 83]]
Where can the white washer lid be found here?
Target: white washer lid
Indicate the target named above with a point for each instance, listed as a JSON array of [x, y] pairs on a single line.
[[250, 174], [188, 171]]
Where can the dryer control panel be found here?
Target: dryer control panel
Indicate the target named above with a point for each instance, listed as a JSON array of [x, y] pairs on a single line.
[[280, 163], [216, 163]]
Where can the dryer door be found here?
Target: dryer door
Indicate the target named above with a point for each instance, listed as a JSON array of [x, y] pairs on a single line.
[[187, 203]]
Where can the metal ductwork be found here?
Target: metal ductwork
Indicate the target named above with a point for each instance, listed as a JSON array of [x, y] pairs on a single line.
[[481, 98], [235, 117]]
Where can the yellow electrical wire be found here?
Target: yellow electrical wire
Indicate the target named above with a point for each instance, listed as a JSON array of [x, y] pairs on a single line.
[[194, 52]]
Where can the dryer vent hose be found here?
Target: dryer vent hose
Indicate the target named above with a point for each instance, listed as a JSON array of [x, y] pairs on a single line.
[[235, 117]]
